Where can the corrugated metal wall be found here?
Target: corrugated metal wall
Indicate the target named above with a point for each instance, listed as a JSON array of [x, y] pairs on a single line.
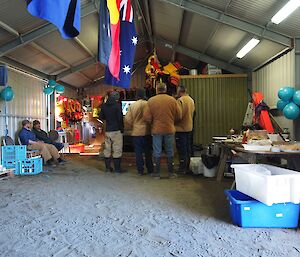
[[271, 78], [137, 80], [221, 104], [29, 103]]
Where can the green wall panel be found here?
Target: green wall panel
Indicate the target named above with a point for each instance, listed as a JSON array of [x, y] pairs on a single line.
[[221, 104]]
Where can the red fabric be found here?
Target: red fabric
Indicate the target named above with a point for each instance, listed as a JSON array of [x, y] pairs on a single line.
[[265, 121], [77, 134], [114, 59], [264, 118]]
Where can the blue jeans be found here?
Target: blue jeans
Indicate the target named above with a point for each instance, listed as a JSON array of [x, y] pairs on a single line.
[[158, 140], [183, 145], [142, 145], [58, 146]]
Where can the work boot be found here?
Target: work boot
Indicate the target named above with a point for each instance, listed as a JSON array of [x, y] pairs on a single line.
[[108, 167], [156, 173], [171, 172], [117, 165]]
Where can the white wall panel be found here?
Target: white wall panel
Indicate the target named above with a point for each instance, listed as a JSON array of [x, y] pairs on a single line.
[[29, 103], [271, 78]]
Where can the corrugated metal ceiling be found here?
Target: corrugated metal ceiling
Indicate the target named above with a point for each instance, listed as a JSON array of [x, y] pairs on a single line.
[[187, 29]]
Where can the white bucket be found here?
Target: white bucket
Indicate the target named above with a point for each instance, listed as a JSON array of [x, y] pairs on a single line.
[[193, 72], [196, 165], [210, 173]]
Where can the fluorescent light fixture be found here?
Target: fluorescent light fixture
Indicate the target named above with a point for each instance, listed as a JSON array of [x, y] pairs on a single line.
[[247, 48], [285, 11]]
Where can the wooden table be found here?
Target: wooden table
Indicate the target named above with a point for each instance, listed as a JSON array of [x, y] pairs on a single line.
[[230, 149]]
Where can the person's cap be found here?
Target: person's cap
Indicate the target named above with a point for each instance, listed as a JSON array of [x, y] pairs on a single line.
[[115, 95], [25, 122], [140, 93]]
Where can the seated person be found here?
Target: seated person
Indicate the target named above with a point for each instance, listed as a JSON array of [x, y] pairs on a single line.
[[49, 152], [42, 135]]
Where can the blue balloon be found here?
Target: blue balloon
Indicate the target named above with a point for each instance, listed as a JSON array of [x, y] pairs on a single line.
[[7, 94], [291, 111], [281, 104], [59, 89], [286, 93], [52, 83], [48, 90], [296, 97]]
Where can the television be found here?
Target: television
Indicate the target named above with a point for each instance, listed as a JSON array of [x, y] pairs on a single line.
[[125, 105]]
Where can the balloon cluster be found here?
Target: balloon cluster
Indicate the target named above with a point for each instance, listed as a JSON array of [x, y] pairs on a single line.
[[52, 85], [289, 102], [7, 94]]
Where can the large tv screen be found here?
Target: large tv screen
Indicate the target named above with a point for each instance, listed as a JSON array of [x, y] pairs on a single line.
[[125, 105]]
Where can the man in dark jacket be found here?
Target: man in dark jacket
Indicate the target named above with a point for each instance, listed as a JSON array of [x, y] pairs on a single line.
[[43, 136], [111, 112]]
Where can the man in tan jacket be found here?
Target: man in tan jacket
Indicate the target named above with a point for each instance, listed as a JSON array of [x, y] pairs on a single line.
[[141, 135], [162, 111], [184, 129]]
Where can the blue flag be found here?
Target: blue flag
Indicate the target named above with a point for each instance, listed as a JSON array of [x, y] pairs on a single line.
[[104, 34], [64, 14], [128, 42]]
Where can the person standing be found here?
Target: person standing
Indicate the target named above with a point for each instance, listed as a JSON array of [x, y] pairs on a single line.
[[111, 112], [141, 135], [162, 111], [184, 128]]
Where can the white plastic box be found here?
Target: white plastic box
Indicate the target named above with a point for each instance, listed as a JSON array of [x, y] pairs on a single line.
[[268, 184]]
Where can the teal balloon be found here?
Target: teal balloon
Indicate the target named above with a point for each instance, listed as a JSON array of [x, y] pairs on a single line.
[[48, 90], [291, 111], [281, 104], [52, 83], [59, 89], [286, 93], [7, 94], [296, 97]]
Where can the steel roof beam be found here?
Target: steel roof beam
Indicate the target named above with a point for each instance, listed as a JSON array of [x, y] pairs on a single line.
[[9, 29], [23, 67], [83, 46], [222, 17], [200, 56], [49, 54], [42, 31], [77, 68]]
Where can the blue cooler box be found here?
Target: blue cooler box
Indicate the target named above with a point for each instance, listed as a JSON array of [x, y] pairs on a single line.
[[249, 213]]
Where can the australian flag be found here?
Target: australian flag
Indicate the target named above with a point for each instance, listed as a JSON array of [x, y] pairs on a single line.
[[64, 14], [119, 72]]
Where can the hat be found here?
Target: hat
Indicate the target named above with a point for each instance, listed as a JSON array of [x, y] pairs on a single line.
[[140, 93], [115, 95]]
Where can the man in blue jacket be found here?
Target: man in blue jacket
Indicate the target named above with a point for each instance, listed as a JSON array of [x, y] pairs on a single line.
[[48, 151]]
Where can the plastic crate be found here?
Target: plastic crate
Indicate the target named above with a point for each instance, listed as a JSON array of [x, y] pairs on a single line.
[[31, 166], [249, 213], [267, 183], [13, 153]]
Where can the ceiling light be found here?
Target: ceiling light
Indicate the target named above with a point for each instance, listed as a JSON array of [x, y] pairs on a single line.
[[247, 48], [285, 11]]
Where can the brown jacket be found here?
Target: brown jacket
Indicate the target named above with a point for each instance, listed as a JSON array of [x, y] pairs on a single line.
[[134, 119], [188, 107], [162, 112]]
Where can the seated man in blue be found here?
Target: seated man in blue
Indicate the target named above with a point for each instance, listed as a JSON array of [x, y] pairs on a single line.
[[48, 151], [43, 136]]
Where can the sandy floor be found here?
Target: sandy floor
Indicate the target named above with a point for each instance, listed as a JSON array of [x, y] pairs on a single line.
[[77, 210]]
